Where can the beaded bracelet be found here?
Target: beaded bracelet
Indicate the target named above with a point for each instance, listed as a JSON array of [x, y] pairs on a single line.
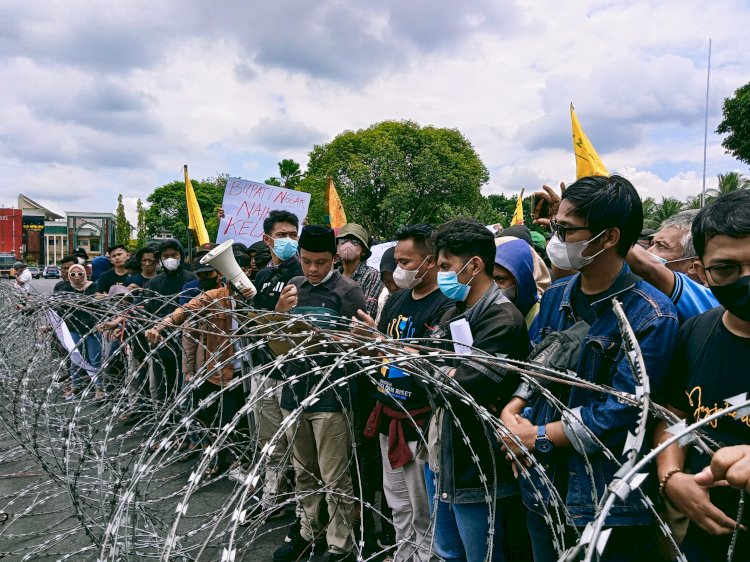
[[665, 479]]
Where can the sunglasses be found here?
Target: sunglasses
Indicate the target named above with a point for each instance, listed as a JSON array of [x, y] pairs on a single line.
[[354, 241], [74, 274], [561, 230]]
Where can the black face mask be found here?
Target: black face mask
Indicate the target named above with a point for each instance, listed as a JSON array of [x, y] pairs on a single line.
[[208, 283], [735, 297]]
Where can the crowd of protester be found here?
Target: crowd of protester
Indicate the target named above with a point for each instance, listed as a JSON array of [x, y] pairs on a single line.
[[430, 461]]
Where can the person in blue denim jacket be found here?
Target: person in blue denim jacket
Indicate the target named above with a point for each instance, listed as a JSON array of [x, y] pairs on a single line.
[[598, 220]]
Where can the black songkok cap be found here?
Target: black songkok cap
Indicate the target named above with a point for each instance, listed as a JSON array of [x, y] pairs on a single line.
[[315, 238]]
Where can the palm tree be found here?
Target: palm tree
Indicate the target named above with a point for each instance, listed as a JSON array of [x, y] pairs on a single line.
[[729, 182], [290, 173], [649, 208], [692, 202], [669, 206]]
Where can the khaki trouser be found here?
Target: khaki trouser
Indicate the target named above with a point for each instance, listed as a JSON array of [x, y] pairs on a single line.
[[321, 445], [268, 416]]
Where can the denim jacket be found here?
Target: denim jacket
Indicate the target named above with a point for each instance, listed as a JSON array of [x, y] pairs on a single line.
[[654, 321]]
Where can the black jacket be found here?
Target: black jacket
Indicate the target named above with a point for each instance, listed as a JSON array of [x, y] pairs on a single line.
[[271, 280], [342, 297], [498, 328]]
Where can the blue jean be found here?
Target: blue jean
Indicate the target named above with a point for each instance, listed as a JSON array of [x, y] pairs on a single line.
[[91, 351], [634, 543], [461, 529]]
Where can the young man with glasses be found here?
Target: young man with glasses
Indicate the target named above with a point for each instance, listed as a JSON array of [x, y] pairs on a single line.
[[709, 369], [598, 221]]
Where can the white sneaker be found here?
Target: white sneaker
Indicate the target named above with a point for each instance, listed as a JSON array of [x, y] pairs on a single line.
[[235, 473]]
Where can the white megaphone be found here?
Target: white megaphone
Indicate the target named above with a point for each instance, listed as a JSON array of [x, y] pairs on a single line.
[[222, 259]]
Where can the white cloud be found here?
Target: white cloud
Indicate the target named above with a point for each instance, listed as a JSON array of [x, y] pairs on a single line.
[[106, 101]]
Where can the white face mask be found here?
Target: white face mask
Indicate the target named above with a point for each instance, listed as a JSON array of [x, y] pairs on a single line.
[[568, 255], [407, 279], [170, 264], [24, 276]]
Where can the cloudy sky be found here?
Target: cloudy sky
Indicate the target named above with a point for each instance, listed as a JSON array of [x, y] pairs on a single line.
[[101, 98]]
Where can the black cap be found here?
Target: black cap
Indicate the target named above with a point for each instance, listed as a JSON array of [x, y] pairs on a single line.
[[388, 261], [519, 231], [316, 238], [203, 268]]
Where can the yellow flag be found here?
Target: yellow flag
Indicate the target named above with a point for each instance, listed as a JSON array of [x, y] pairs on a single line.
[[518, 213], [588, 162], [195, 218], [336, 214]]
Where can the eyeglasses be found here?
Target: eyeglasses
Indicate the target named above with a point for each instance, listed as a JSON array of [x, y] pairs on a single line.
[[354, 241], [562, 231], [725, 273], [74, 274]]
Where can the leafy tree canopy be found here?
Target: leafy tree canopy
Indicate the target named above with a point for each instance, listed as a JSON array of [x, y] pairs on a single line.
[[168, 210], [736, 124], [395, 173]]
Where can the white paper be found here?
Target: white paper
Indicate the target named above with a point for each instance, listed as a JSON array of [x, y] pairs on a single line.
[[461, 335]]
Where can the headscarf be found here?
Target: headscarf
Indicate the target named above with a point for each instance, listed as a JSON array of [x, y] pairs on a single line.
[[78, 283]]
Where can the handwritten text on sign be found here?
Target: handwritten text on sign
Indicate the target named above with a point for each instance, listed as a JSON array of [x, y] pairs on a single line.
[[247, 203]]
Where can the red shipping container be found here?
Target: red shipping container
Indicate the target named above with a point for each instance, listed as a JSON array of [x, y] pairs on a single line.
[[11, 232]]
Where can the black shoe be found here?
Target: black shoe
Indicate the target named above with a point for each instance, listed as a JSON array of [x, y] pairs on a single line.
[[343, 557], [296, 549]]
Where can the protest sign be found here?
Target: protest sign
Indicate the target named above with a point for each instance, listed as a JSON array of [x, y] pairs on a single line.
[[377, 253], [247, 203]]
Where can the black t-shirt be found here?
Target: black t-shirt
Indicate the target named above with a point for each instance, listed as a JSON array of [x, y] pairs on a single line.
[[270, 281], [404, 318], [582, 304], [60, 286], [109, 279], [78, 314], [709, 365], [137, 279]]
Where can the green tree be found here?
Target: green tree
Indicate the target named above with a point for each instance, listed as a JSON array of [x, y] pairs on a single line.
[[649, 211], [168, 210], [141, 224], [290, 174], [729, 182], [123, 228], [396, 173], [669, 206], [692, 202], [736, 124]]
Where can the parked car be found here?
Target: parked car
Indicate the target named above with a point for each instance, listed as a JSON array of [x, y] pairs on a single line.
[[36, 273], [52, 272]]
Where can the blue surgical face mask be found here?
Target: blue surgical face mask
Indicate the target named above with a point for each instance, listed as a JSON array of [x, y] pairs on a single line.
[[284, 248], [450, 285]]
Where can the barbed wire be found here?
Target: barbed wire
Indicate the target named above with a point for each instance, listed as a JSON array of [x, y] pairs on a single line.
[[105, 488]]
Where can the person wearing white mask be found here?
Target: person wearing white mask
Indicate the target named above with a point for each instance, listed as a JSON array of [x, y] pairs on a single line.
[[598, 221], [23, 277], [162, 298], [402, 406], [668, 266]]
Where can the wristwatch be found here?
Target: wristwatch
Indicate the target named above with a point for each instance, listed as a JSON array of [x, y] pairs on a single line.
[[542, 443]]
